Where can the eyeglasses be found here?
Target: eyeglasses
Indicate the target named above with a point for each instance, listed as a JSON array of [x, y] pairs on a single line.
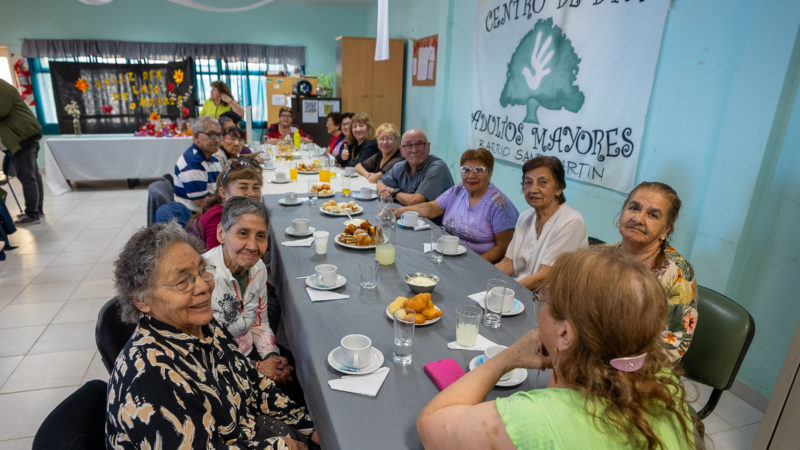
[[239, 164], [417, 145], [186, 284], [478, 170], [386, 139], [211, 134]]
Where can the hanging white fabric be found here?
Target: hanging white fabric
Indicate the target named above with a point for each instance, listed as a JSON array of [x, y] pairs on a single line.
[[382, 41]]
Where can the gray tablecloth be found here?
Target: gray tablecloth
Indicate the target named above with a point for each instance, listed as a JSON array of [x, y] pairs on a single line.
[[346, 420]]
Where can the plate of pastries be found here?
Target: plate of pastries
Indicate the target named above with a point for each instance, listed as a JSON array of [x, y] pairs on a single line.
[[323, 190], [334, 208], [427, 312], [359, 237], [308, 168]]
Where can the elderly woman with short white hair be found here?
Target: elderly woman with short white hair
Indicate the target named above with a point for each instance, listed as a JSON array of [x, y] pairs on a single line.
[[180, 381]]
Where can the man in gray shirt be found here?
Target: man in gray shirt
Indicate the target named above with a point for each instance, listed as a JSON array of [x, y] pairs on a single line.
[[421, 177]]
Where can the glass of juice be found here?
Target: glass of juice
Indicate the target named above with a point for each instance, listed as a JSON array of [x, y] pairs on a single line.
[[468, 319], [324, 175], [346, 186], [293, 172], [384, 254]]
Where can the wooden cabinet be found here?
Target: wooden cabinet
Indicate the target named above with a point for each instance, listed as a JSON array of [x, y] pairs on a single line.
[[374, 87]]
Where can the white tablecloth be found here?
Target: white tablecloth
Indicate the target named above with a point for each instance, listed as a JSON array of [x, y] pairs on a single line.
[[301, 185], [108, 157]]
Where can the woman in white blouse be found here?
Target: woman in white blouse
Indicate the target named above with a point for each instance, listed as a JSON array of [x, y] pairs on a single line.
[[547, 230]]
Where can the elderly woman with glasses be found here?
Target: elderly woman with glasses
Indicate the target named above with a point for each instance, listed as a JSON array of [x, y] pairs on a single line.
[[547, 230], [180, 381], [232, 146], [378, 164], [598, 330], [284, 128], [475, 210], [240, 178]]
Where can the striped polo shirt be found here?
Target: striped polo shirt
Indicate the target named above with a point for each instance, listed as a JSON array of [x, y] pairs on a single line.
[[195, 177]]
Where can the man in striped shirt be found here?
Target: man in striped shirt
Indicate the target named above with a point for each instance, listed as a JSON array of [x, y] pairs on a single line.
[[197, 169]]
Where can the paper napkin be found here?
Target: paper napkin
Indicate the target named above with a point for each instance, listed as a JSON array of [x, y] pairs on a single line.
[[422, 226], [320, 296], [481, 344], [479, 298], [426, 247], [299, 242], [368, 385]]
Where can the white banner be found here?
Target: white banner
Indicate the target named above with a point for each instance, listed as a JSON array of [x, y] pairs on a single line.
[[566, 78]]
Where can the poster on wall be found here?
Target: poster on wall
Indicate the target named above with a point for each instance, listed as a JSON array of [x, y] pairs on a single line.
[[118, 98], [423, 62], [566, 78]]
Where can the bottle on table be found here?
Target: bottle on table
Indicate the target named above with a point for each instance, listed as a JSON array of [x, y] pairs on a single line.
[[385, 232]]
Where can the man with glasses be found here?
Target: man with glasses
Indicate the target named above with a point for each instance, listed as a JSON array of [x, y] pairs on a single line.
[[196, 173], [421, 177]]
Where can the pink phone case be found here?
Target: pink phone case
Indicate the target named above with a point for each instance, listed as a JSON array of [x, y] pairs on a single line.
[[444, 372]]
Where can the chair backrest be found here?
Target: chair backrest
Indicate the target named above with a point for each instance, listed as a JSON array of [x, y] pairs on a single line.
[[111, 333], [159, 193], [721, 339], [77, 423]]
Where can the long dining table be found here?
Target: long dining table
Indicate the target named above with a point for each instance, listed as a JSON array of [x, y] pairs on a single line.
[[313, 329]]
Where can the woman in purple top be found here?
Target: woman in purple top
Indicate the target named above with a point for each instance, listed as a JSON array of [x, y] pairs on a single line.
[[476, 211]]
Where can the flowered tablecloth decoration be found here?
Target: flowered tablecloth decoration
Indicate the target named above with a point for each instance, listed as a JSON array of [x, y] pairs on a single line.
[[163, 128], [177, 75], [81, 84]]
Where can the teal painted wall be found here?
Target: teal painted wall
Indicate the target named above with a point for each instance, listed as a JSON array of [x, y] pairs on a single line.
[[716, 130], [314, 26]]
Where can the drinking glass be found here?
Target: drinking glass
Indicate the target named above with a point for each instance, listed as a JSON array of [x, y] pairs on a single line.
[[468, 319], [293, 172], [404, 320], [346, 186], [435, 255], [369, 273], [321, 242], [312, 191], [493, 302]]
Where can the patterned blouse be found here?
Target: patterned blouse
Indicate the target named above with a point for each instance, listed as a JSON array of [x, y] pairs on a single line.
[[677, 277], [171, 390]]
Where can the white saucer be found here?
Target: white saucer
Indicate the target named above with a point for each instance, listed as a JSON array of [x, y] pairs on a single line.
[[268, 168], [516, 309], [291, 232], [359, 197], [376, 361], [517, 375], [312, 282], [283, 202], [402, 224], [461, 251], [281, 182]]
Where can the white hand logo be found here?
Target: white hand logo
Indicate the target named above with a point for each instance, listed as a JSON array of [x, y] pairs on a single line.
[[538, 62]]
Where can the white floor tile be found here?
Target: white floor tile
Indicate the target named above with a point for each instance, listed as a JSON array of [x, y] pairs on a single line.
[[7, 365], [21, 413], [35, 247], [46, 292], [94, 289], [94, 233], [101, 271], [750, 430], [29, 314], [18, 277], [79, 245], [97, 371], [80, 310], [59, 337], [110, 255], [78, 257], [72, 272], [8, 293], [49, 370], [715, 424], [17, 341], [729, 440], [737, 412], [19, 261], [17, 444]]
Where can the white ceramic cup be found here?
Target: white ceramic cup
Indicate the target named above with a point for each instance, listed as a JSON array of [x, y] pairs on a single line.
[[269, 164], [326, 274], [321, 242], [290, 197], [367, 192], [410, 220], [508, 301], [299, 225], [448, 245], [492, 351], [350, 171], [356, 350], [280, 176]]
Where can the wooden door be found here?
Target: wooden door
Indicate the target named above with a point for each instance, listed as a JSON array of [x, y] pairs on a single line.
[[387, 86], [355, 74]]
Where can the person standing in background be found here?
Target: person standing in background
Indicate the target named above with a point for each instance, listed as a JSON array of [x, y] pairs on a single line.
[[20, 133], [221, 101]]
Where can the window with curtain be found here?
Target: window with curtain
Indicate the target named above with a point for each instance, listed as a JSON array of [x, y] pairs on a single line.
[[242, 66]]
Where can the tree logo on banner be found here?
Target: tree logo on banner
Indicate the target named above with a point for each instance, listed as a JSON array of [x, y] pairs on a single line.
[[542, 72]]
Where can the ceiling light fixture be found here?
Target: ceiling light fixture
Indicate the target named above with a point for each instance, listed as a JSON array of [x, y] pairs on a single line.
[[203, 7]]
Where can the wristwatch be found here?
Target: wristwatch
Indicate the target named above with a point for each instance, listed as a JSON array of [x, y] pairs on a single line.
[[395, 191]]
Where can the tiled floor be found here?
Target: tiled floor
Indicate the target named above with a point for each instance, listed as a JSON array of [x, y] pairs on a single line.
[[53, 285]]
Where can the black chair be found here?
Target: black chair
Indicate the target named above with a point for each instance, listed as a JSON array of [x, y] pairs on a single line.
[[5, 175], [77, 423], [720, 342], [111, 333], [595, 241], [159, 193]]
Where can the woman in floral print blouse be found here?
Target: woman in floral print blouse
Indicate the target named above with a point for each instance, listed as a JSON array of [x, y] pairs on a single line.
[[180, 381], [646, 221]]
